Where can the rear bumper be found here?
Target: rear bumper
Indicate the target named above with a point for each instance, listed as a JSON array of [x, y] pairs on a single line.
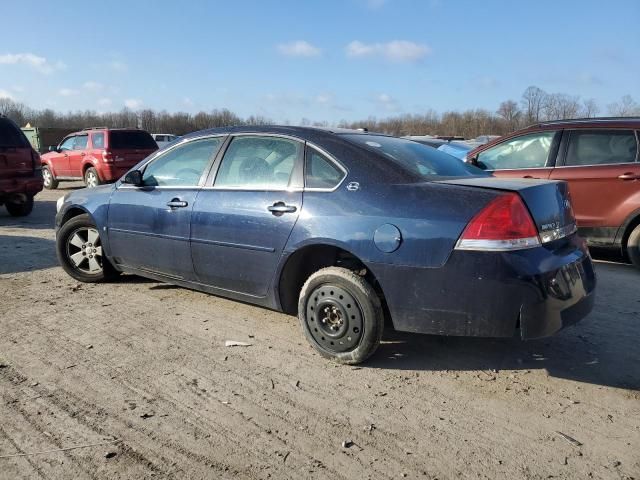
[[110, 172], [21, 185], [532, 293]]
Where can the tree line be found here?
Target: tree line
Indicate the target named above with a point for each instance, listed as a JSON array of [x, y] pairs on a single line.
[[535, 105]]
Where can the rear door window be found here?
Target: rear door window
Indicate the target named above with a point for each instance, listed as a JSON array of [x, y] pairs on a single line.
[[525, 151], [81, 142], [98, 140], [10, 135], [131, 139], [258, 163], [601, 147]]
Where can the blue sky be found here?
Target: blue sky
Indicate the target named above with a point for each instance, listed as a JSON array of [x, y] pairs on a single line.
[[321, 60]]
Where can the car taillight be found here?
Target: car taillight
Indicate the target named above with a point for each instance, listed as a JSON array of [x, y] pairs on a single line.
[[107, 156], [504, 224], [36, 162]]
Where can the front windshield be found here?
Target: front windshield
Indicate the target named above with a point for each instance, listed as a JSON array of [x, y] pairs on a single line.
[[423, 161]]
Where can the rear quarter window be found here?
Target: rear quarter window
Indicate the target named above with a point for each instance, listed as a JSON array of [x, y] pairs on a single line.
[[131, 139], [10, 135]]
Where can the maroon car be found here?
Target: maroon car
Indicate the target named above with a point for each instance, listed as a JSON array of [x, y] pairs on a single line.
[[96, 155], [599, 159], [20, 170]]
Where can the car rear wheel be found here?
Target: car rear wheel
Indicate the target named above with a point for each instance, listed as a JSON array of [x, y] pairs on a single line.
[[341, 315], [633, 247], [20, 209], [79, 250], [91, 178], [50, 183]]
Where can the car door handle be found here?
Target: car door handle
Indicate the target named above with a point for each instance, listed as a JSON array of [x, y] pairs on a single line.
[[82, 154], [629, 176], [529, 176], [177, 203], [279, 208]]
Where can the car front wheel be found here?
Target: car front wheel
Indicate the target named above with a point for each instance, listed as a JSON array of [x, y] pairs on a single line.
[[91, 178], [633, 247], [341, 315], [79, 250]]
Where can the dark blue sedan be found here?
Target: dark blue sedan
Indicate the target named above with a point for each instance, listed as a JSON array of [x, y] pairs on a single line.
[[342, 228]]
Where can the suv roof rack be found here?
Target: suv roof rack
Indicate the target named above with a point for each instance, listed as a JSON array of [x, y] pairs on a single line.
[[94, 128], [585, 120]]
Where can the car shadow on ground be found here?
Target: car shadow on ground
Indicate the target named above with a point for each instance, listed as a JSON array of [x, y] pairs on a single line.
[[41, 218], [25, 254]]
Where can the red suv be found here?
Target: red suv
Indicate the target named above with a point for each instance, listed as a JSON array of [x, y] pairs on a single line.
[[599, 159], [20, 170], [96, 155]]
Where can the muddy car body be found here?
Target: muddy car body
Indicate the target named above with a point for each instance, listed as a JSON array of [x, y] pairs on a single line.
[[341, 228]]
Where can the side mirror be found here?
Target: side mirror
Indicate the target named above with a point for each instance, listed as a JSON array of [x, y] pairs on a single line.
[[54, 148], [134, 177]]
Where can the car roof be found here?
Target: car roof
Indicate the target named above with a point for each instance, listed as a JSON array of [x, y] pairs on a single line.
[[598, 122], [301, 132]]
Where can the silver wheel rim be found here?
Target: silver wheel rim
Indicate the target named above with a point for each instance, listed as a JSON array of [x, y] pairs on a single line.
[[46, 174], [92, 180], [84, 250]]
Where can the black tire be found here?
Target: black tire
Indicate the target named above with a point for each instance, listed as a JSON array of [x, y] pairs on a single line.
[[50, 182], [633, 247], [88, 248], [21, 209], [341, 315], [91, 178]]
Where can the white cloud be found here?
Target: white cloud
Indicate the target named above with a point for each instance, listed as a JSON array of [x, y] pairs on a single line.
[[67, 92], [93, 86], [105, 102], [324, 98], [5, 94], [36, 62], [133, 103], [299, 48], [118, 66], [396, 50], [386, 102], [187, 102]]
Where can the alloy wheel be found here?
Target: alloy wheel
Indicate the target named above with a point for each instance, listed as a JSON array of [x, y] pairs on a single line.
[[84, 250]]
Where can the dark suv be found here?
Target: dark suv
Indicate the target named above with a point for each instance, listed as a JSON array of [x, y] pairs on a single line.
[[20, 170], [599, 159], [96, 155]]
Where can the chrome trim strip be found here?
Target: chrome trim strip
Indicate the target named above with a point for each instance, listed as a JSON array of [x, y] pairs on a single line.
[[558, 233], [233, 245], [498, 245], [149, 234]]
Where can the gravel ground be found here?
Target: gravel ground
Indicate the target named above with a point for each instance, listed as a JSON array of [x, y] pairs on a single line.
[[143, 365]]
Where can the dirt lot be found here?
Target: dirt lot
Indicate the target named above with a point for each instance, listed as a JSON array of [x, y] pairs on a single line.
[[143, 365]]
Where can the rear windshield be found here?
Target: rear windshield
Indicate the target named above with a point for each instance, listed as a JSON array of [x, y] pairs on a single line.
[[10, 135], [423, 161], [131, 139]]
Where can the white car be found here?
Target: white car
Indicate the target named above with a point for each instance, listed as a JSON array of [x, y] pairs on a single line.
[[164, 139]]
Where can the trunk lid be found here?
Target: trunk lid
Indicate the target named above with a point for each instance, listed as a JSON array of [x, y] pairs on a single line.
[[128, 147], [548, 201], [15, 152]]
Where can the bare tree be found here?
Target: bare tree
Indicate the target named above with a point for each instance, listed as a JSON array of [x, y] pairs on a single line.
[[510, 112], [627, 107], [590, 108], [533, 100]]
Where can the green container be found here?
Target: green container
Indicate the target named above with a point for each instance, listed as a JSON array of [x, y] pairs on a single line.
[[41, 138]]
